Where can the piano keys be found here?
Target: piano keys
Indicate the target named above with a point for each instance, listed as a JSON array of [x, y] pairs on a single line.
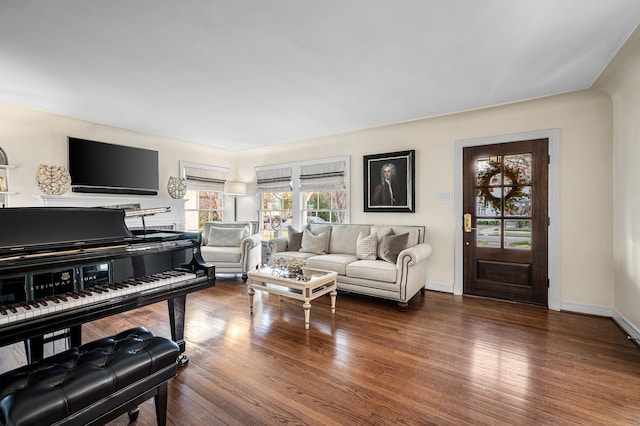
[[62, 267]]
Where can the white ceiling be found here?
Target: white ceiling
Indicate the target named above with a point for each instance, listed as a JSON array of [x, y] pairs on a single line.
[[239, 74]]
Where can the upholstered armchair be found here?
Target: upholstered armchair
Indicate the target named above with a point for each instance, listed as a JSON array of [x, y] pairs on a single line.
[[232, 247]]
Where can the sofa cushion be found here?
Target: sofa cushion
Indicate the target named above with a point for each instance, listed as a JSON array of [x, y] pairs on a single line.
[[331, 262], [225, 237], [414, 234], [221, 254], [319, 228], [381, 232], [294, 239], [316, 244], [367, 246], [374, 270], [344, 237], [290, 255], [391, 245]]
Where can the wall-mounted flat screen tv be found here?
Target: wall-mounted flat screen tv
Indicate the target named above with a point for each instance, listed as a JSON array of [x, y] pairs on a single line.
[[99, 167]]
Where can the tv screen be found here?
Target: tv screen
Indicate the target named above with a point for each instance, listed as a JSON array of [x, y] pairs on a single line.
[[101, 167]]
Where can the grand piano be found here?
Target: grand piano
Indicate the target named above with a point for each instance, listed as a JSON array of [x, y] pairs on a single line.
[[61, 267]]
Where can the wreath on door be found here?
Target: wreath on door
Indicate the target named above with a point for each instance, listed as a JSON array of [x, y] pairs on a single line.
[[489, 180]]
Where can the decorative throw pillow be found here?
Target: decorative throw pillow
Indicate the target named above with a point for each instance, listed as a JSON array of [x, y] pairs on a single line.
[[381, 234], [316, 244], [391, 245], [225, 237], [294, 238], [367, 246]]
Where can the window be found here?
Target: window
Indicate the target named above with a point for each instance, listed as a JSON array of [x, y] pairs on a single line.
[[205, 194], [273, 187], [323, 187], [276, 213], [301, 193], [325, 206]]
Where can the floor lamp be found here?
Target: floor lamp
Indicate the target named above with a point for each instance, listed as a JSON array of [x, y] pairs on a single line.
[[235, 189]]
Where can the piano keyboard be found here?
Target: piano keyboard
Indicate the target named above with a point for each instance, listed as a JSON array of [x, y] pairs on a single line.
[[92, 295]]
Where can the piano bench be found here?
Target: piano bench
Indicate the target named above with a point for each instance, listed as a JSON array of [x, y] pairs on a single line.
[[93, 383]]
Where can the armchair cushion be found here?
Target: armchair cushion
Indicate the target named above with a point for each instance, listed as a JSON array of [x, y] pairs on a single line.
[[225, 237]]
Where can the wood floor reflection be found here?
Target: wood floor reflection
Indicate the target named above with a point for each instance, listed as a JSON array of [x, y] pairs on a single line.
[[447, 360]]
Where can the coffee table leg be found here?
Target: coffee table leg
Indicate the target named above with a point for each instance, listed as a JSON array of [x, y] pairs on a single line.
[[307, 313], [251, 293], [333, 295]]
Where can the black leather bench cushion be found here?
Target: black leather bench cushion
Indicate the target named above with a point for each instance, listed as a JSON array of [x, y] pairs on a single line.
[[60, 385]]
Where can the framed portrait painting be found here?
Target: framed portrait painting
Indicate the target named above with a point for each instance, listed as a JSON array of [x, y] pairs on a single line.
[[389, 182]]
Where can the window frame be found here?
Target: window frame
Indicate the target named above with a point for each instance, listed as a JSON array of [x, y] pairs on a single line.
[[226, 205], [298, 207]]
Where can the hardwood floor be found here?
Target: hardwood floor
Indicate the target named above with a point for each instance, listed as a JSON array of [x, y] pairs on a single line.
[[447, 360]]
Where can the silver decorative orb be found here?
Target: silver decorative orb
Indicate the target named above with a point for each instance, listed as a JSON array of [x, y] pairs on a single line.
[[177, 187]]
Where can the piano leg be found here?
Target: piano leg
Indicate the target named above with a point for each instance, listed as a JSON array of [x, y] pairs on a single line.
[[177, 309], [75, 336], [34, 349]]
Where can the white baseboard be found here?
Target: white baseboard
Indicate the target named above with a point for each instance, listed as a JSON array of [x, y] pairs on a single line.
[[626, 325], [445, 288], [603, 311], [584, 308]]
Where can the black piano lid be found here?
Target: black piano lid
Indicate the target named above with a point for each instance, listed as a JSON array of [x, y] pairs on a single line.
[[24, 229]]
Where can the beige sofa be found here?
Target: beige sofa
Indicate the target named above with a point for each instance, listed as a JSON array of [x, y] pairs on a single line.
[[397, 272], [232, 247]]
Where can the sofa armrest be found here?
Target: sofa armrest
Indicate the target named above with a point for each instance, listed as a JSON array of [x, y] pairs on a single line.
[[415, 254], [278, 244], [251, 248]]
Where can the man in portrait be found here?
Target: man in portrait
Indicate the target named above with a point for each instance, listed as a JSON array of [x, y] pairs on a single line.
[[389, 191]]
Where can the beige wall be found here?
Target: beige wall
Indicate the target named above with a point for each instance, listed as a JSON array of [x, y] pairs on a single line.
[[586, 157], [585, 123], [30, 137], [621, 80]]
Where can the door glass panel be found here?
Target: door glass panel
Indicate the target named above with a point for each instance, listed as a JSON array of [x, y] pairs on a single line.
[[488, 201], [488, 233], [486, 168], [517, 234], [518, 168], [517, 201], [503, 191]]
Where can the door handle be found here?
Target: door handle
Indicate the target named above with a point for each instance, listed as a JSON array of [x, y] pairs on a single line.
[[467, 223]]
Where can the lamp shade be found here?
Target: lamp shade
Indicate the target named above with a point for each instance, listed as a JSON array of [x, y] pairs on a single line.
[[235, 188]]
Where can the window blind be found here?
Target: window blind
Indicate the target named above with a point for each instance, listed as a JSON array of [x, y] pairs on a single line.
[[322, 177], [273, 180], [205, 179]]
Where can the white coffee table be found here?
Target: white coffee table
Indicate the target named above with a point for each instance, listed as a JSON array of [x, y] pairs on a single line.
[[270, 280]]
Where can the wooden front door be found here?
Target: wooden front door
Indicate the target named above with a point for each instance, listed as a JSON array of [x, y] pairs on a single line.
[[505, 203]]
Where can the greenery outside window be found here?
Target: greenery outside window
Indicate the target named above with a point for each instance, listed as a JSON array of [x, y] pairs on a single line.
[[325, 206]]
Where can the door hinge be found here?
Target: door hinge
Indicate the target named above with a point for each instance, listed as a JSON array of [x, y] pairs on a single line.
[[548, 159], [548, 283]]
